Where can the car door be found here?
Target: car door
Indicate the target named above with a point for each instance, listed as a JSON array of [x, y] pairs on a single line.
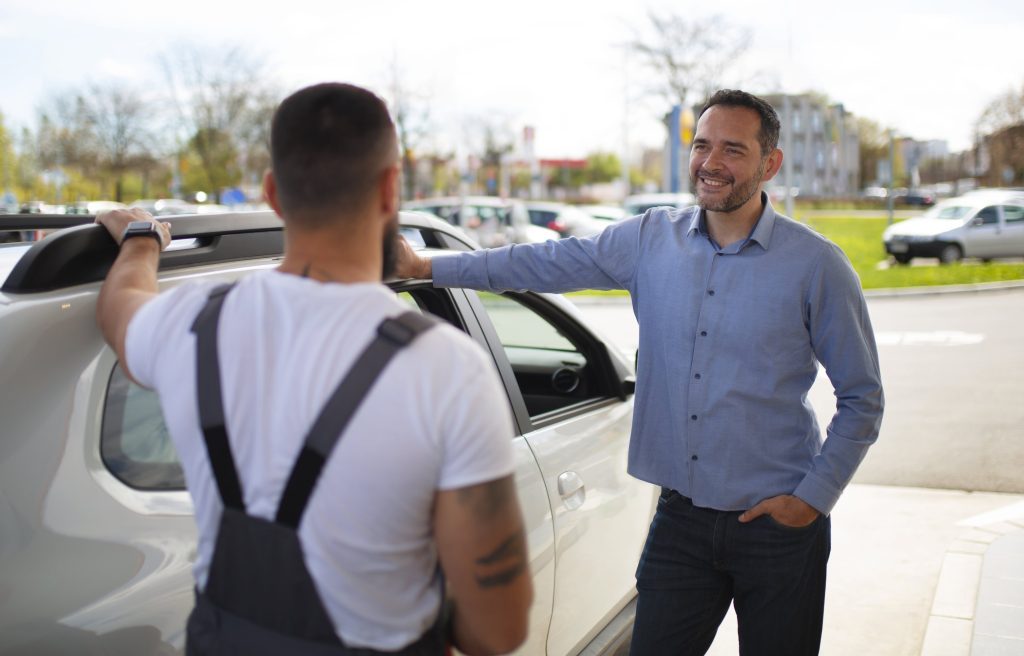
[[577, 423], [454, 307], [1012, 243], [142, 470], [983, 233]]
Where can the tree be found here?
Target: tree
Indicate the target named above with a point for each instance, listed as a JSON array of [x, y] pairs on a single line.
[[222, 103], [118, 122], [488, 139], [97, 134], [602, 167], [690, 56], [8, 163], [1001, 129], [411, 112]]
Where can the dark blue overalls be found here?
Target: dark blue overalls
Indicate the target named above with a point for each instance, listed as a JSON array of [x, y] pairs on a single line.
[[259, 596]]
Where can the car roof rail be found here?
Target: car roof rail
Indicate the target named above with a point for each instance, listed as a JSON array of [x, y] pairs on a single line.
[[10, 222], [84, 253]]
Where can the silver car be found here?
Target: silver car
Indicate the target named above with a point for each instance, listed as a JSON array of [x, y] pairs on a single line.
[[488, 220], [96, 531], [985, 224]]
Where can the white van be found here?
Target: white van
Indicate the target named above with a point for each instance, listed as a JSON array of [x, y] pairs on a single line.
[[986, 224]]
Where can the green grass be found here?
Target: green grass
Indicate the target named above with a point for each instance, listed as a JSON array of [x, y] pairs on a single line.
[[861, 240]]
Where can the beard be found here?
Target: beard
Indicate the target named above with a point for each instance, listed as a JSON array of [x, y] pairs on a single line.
[[389, 248], [740, 194]]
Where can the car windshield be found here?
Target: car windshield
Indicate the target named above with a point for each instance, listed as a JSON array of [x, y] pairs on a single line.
[[948, 212]]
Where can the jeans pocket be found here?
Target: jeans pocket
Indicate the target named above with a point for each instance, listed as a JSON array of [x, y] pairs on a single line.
[[786, 527], [667, 494]]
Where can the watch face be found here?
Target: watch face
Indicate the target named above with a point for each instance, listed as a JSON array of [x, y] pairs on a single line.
[[139, 227], [143, 229]]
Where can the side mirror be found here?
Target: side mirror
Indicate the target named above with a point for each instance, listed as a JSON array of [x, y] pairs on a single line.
[[628, 387]]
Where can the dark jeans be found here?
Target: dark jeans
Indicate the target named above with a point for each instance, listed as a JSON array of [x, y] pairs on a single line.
[[698, 560]]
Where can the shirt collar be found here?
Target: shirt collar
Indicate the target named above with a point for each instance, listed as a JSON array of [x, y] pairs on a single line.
[[763, 229]]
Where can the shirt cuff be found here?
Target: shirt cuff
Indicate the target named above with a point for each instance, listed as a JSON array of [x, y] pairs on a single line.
[[817, 493], [462, 270]]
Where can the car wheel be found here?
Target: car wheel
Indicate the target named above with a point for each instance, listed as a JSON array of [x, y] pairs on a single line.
[[950, 253], [902, 258]]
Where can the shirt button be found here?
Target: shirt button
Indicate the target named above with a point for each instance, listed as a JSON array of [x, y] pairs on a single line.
[[703, 333], [697, 376], [711, 292], [693, 457], [693, 417]]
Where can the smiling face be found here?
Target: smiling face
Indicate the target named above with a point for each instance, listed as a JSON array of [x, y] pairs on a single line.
[[727, 166]]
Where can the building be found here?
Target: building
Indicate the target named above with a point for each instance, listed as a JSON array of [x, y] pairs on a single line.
[[822, 151]]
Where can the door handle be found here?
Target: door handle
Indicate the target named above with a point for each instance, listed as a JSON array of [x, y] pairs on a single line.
[[571, 489]]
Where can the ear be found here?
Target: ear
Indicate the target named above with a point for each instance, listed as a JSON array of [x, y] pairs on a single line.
[[773, 165], [270, 192], [389, 197]]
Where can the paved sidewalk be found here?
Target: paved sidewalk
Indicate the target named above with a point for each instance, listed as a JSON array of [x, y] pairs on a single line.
[[979, 598], [918, 572]]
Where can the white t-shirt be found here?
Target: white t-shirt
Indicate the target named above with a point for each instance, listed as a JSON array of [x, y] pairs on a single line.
[[436, 419]]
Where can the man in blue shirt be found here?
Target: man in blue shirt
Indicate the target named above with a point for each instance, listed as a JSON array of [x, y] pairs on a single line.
[[737, 305]]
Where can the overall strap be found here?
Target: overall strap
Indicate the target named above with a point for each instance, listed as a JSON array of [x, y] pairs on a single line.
[[211, 404], [392, 336]]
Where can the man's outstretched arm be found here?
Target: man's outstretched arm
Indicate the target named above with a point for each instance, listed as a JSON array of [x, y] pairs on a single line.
[[481, 543], [132, 279]]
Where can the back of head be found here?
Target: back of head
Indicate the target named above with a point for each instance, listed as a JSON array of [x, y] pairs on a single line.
[[329, 145], [768, 136]]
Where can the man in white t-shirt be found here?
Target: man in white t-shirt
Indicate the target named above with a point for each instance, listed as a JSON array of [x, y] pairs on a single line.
[[324, 513]]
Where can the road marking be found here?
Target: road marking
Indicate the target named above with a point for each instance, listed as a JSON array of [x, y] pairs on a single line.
[[931, 338]]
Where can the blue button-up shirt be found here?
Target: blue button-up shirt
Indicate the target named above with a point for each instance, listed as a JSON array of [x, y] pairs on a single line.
[[730, 341]]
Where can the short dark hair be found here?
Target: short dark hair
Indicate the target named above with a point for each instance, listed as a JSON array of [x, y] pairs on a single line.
[[329, 143], [768, 135]]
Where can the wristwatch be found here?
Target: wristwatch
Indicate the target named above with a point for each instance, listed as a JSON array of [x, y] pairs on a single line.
[[143, 229]]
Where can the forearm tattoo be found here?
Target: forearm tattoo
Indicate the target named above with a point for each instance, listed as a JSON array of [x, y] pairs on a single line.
[[508, 561]]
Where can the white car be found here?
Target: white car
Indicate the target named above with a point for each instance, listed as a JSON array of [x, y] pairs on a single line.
[[97, 536], [984, 224], [488, 220], [566, 220], [640, 203], [610, 213]]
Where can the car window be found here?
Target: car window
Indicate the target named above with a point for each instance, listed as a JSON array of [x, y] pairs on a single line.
[[134, 443], [542, 217], [1013, 213], [556, 371], [988, 215]]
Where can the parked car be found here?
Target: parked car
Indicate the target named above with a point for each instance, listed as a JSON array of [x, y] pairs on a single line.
[[566, 220], [918, 197], [640, 203], [96, 528], [983, 224], [165, 206], [94, 206], [610, 213], [488, 220]]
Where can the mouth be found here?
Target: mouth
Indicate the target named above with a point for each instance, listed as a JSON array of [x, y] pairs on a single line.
[[713, 183]]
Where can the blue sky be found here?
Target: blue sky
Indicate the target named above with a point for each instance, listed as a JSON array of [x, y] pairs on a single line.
[[925, 68]]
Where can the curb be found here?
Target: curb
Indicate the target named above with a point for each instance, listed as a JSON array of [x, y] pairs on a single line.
[[972, 613], [895, 292], [944, 289]]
